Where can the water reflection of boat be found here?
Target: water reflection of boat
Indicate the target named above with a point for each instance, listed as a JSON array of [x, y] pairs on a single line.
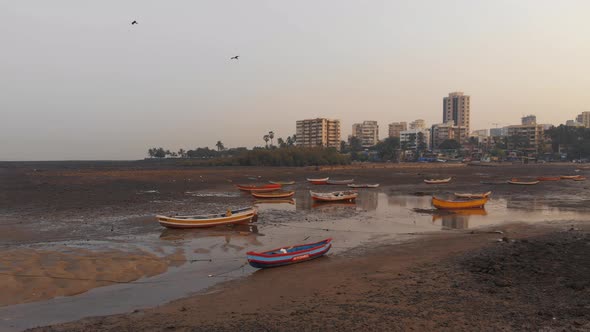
[[327, 205], [235, 230], [458, 219], [274, 201], [368, 200]]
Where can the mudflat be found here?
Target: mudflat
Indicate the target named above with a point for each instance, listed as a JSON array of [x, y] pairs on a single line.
[[457, 279]]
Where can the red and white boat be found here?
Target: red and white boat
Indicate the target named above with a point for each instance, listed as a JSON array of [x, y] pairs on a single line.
[[319, 180]]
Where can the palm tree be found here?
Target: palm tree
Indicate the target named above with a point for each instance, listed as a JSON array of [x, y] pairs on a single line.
[[271, 135], [281, 142], [266, 138], [220, 146], [182, 153]]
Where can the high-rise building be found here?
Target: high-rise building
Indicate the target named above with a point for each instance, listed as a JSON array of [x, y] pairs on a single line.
[[396, 127], [418, 124], [367, 132], [528, 120], [457, 108], [318, 132], [584, 119]]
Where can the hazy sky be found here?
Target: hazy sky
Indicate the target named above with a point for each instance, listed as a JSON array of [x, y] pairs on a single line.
[[77, 81]]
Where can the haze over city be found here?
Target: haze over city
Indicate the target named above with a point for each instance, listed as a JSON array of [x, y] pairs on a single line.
[[80, 82]]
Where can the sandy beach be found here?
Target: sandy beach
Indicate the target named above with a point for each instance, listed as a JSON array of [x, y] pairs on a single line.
[[397, 264]]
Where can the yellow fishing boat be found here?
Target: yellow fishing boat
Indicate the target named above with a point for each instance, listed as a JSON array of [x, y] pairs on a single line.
[[469, 204], [210, 220]]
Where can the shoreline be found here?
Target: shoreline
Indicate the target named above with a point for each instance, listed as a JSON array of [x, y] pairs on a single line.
[[339, 284]]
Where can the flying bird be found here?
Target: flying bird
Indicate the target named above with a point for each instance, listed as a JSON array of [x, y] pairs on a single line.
[[234, 57], [134, 22]]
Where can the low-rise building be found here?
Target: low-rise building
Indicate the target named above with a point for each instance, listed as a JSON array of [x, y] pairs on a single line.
[[410, 139], [445, 131], [525, 137]]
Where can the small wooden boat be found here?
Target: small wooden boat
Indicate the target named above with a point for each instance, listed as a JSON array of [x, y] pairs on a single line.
[[549, 178], [437, 181], [289, 255], [469, 204], [262, 188], [352, 185], [340, 182], [274, 194], [210, 220], [283, 183], [526, 183], [569, 177], [319, 181], [468, 195], [349, 195]]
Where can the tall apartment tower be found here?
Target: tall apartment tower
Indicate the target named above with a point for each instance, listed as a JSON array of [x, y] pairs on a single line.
[[367, 132], [318, 132], [396, 127], [456, 108]]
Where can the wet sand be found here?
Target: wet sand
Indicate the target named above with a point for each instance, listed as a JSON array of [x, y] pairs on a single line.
[[109, 207]]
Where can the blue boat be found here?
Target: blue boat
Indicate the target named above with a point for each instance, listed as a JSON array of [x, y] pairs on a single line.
[[289, 255]]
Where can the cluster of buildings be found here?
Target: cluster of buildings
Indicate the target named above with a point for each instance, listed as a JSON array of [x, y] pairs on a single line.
[[455, 125]]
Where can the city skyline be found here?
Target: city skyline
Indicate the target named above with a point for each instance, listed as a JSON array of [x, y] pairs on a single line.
[[80, 82]]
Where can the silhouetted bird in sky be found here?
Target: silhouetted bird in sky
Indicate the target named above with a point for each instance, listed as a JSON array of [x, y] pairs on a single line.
[[134, 22], [234, 57]]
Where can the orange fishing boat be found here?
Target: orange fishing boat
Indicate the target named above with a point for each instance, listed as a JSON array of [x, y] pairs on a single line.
[[274, 194], [262, 188], [469, 204], [549, 178]]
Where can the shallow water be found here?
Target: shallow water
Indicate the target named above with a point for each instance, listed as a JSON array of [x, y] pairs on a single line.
[[218, 254]]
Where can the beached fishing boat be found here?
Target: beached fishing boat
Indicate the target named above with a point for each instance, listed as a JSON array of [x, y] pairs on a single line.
[[468, 195], [289, 255], [283, 183], [526, 183], [569, 177], [352, 185], [340, 182], [274, 194], [319, 181], [209, 220], [275, 201], [349, 195], [437, 181], [262, 188], [549, 178], [469, 204]]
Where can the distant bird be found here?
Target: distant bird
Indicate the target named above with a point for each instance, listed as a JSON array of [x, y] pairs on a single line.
[[134, 22], [234, 57]]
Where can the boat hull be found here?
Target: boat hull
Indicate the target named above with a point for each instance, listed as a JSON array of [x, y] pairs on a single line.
[[264, 188], [363, 185], [273, 258], [318, 181], [334, 197], [206, 221], [437, 181], [273, 195], [453, 205], [340, 182], [523, 183]]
